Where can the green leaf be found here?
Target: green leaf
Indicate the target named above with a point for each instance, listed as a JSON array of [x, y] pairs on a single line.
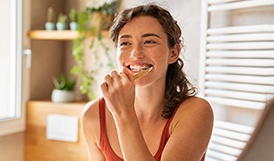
[[75, 70], [63, 82], [99, 36]]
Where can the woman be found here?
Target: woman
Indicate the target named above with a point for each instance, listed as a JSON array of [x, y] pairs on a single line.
[[157, 116]]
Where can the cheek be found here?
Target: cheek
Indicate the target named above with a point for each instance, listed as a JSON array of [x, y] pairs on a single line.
[[120, 57], [162, 57], [163, 62]]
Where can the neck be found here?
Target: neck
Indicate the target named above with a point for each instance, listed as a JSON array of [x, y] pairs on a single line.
[[149, 102]]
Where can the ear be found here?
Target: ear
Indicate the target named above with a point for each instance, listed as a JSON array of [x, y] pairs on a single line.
[[174, 54]]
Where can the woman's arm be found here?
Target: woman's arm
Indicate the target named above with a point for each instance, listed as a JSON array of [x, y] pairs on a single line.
[[190, 131], [90, 125], [119, 93]]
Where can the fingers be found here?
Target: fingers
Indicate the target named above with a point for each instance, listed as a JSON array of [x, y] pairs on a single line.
[[114, 79], [110, 78], [104, 88], [117, 89], [115, 76], [126, 73]]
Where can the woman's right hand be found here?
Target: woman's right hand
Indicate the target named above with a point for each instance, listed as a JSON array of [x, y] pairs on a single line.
[[118, 89]]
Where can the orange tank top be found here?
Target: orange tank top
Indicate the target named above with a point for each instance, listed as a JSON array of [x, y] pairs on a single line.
[[106, 149]]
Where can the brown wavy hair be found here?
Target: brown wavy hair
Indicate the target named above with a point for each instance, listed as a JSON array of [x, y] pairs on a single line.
[[178, 88]]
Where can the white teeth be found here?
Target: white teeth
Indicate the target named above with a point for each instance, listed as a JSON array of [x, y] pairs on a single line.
[[138, 68]]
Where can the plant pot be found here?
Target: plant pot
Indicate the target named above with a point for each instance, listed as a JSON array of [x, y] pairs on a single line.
[[49, 26], [61, 96], [61, 26], [73, 26]]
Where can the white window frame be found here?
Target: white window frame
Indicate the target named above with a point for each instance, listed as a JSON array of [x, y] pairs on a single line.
[[16, 121]]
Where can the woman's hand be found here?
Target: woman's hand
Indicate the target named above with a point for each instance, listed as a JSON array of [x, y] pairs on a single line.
[[119, 91]]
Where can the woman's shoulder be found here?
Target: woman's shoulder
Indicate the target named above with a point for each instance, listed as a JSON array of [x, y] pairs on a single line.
[[194, 109], [193, 121], [195, 104], [90, 114], [91, 109], [90, 122]]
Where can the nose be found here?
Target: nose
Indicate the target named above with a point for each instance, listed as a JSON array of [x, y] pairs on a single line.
[[137, 53]]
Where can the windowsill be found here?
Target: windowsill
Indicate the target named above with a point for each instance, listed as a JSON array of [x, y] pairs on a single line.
[[12, 126]]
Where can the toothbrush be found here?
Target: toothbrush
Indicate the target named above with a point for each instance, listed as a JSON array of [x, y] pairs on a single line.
[[141, 73]]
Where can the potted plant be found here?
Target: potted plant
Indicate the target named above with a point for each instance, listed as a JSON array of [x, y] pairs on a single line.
[[89, 26], [50, 25], [64, 89], [73, 19], [101, 17], [61, 22]]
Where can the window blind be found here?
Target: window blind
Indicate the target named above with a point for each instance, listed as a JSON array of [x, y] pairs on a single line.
[[237, 74]]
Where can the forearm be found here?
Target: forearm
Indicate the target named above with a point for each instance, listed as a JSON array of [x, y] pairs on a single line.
[[131, 140]]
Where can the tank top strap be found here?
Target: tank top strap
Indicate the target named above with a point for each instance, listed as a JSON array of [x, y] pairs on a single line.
[[165, 136], [102, 117], [104, 143]]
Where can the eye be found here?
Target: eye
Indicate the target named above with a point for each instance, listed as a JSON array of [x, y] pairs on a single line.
[[149, 42], [124, 44]]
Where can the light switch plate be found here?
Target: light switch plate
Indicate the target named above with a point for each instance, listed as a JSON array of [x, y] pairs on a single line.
[[62, 127]]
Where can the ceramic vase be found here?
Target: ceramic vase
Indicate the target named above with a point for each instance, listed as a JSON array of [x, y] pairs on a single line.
[[61, 26], [73, 26], [62, 96], [49, 26]]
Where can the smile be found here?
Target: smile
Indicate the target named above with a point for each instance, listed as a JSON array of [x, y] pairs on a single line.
[[137, 68]]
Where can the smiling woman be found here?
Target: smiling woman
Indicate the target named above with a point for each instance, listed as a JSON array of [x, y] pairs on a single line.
[[156, 117]]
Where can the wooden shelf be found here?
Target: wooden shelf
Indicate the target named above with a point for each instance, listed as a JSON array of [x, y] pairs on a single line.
[[48, 103], [57, 35], [53, 35]]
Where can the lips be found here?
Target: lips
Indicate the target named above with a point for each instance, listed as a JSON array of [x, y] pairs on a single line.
[[138, 68]]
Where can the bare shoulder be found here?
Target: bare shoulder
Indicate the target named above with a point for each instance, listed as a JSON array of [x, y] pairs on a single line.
[[91, 110], [190, 130], [195, 110], [197, 102], [195, 105], [90, 121]]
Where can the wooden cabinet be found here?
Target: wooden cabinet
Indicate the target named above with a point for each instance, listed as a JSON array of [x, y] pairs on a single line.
[[38, 147]]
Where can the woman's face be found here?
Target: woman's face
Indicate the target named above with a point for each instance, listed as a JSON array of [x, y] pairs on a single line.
[[142, 43]]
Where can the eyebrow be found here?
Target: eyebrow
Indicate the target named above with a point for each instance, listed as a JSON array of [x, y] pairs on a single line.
[[143, 36], [151, 34]]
